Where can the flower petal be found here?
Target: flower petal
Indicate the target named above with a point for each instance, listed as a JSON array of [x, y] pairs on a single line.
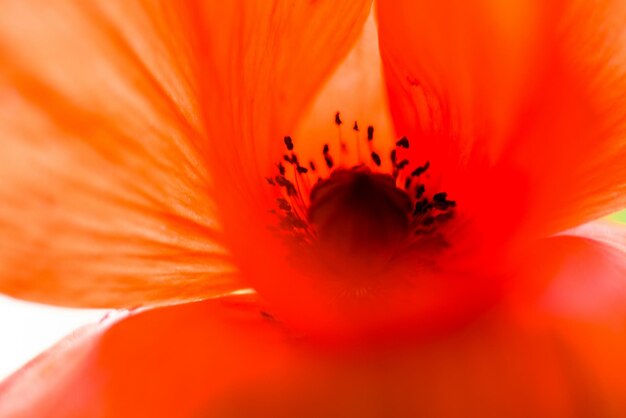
[[295, 49], [276, 56], [520, 105], [591, 279], [166, 362], [126, 126], [106, 198], [584, 306], [224, 358], [356, 90]]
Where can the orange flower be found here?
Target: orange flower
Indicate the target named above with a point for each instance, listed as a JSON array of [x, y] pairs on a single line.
[[145, 164]]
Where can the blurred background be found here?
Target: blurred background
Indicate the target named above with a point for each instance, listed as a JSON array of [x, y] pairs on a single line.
[[26, 329]]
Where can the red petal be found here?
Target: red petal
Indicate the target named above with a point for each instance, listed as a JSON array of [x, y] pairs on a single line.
[[226, 359], [584, 309], [520, 104], [591, 279]]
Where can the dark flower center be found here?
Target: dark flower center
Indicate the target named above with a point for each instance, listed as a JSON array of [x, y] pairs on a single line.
[[358, 214], [354, 220]]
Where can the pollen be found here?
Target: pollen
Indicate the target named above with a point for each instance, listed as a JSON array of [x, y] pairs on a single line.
[[356, 218]]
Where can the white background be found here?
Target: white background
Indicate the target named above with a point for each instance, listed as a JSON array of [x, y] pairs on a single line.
[[26, 329]]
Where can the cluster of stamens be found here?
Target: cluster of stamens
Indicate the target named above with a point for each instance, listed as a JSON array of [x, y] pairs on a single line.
[[297, 182]]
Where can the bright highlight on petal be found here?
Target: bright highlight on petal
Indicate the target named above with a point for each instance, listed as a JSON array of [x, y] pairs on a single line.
[[106, 196], [124, 122]]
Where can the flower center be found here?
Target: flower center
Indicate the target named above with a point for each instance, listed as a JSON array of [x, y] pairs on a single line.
[[359, 215], [354, 220]]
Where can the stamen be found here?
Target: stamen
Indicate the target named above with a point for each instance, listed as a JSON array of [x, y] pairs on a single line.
[[420, 170], [403, 142], [402, 164], [376, 159], [338, 120], [288, 185], [288, 143], [421, 207], [327, 158], [419, 191], [283, 204], [347, 189]]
